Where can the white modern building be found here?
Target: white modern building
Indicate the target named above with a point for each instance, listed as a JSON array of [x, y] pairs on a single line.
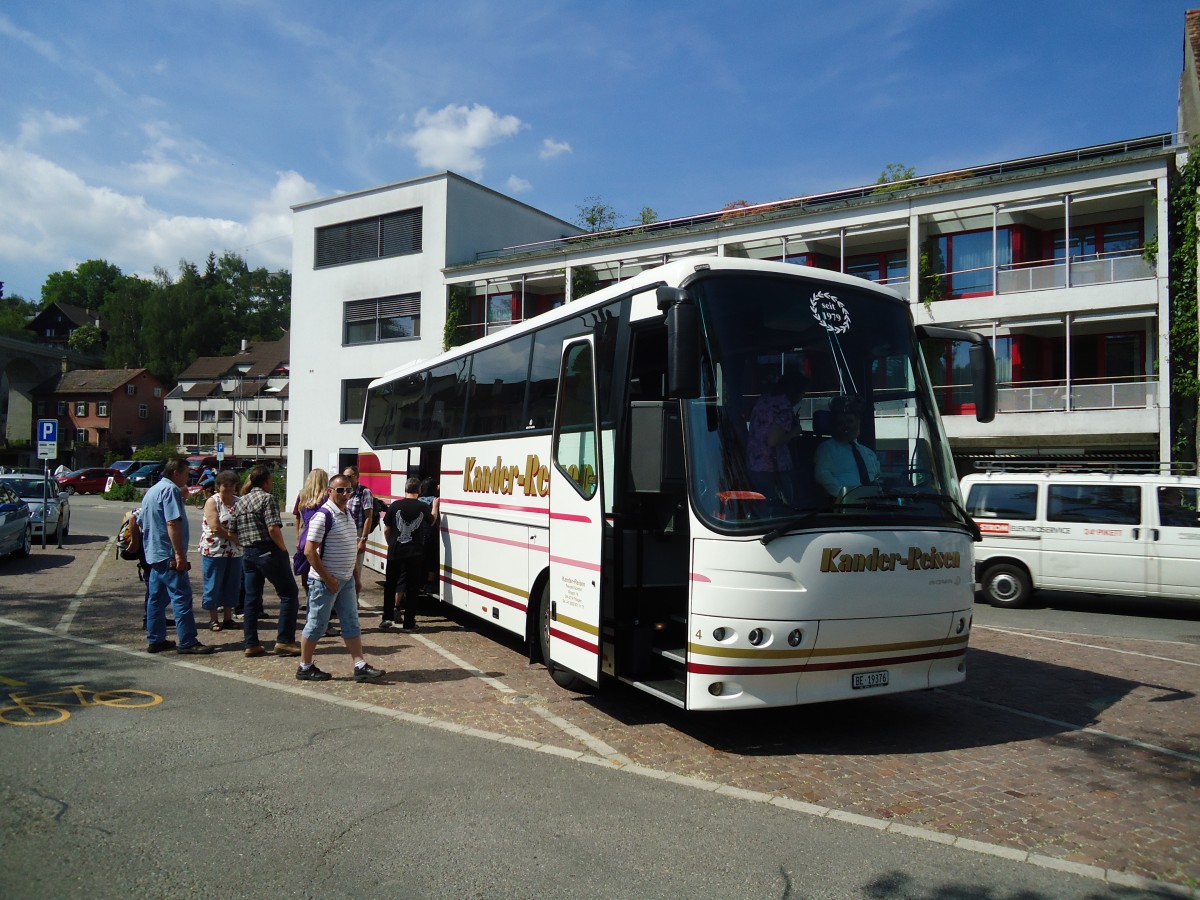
[[369, 294], [1060, 259], [240, 401]]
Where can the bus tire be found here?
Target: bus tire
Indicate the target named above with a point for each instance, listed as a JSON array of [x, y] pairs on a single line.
[[562, 677], [1007, 585]]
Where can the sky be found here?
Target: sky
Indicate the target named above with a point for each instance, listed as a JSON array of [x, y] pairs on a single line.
[[146, 132]]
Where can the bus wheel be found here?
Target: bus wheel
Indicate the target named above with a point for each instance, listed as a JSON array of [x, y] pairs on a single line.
[[562, 677], [1006, 585]]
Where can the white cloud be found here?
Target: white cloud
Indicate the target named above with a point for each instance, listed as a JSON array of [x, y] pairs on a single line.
[[552, 148], [56, 220], [35, 125], [452, 137], [516, 185]]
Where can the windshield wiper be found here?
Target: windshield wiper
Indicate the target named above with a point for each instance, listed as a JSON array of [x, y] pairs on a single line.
[[790, 524]]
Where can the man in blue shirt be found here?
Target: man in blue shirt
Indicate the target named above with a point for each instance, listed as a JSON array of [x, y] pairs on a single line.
[[165, 542]]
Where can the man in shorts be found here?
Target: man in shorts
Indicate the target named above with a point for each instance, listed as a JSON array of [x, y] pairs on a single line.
[[331, 549]]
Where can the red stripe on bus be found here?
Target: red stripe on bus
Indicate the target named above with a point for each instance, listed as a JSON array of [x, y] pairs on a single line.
[[511, 507], [494, 540], [696, 576], [452, 471], [577, 563], [471, 589], [578, 642], [706, 669]]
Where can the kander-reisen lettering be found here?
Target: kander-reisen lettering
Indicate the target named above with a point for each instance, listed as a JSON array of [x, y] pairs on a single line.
[[915, 560]]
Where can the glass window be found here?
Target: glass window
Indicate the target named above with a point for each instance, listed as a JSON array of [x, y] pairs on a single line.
[[444, 407], [131, 390], [81, 436], [354, 398], [144, 411], [1106, 504], [382, 319], [1177, 507], [101, 408], [62, 407], [497, 398], [1003, 501], [967, 257], [575, 437], [81, 408], [372, 238]]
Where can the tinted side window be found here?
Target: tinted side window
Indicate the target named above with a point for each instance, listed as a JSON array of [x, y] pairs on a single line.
[[1107, 504], [393, 415], [1177, 507], [1003, 501], [497, 397], [446, 401]]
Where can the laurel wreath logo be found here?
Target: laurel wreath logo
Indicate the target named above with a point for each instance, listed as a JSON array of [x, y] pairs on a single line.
[[830, 312]]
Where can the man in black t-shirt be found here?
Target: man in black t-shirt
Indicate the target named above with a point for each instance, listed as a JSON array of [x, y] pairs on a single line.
[[404, 526]]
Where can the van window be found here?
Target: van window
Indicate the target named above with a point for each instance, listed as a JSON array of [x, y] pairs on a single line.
[[1003, 501], [1177, 507], [1108, 504]]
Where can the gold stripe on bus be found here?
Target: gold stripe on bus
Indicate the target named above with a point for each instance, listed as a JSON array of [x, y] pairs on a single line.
[[578, 625], [475, 579], [754, 653]]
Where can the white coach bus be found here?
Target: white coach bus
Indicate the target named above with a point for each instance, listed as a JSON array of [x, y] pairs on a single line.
[[627, 481]]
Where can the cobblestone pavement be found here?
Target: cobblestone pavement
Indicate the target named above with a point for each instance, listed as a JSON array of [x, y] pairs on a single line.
[[1080, 748]]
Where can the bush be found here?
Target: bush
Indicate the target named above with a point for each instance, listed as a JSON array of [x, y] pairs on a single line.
[[156, 453], [123, 492]]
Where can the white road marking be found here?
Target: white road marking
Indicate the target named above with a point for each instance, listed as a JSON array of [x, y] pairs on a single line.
[[64, 624]]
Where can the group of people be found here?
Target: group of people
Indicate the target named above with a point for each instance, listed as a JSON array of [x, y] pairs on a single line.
[[242, 548]]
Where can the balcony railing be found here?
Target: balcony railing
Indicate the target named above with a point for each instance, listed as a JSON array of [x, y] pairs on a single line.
[[1082, 394], [1045, 275]]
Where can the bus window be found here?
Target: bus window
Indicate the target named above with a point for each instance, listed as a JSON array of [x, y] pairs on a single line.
[[575, 439], [497, 396]]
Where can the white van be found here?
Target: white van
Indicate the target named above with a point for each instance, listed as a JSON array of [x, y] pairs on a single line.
[[1096, 532]]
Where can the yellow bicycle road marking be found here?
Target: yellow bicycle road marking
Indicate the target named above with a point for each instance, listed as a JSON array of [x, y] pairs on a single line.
[[28, 706]]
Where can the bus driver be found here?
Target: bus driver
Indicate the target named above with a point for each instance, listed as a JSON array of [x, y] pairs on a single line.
[[842, 462]]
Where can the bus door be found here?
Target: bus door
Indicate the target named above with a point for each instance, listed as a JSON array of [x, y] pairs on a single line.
[[576, 518]]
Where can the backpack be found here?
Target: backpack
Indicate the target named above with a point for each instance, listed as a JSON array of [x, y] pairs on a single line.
[[129, 535], [300, 564]]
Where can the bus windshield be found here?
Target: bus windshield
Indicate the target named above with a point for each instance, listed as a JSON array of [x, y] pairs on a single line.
[[815, 408]]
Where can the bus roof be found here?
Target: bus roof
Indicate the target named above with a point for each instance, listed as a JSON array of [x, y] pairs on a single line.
[[673, 273]]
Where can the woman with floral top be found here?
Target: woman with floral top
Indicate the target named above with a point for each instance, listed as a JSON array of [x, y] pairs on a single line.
[[220, 552]]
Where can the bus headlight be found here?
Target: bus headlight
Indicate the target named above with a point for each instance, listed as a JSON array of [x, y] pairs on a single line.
[[796, 637], [756, 637], [716, 689], [719, 634]]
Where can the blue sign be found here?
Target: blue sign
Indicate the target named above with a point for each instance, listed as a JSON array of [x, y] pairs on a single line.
[[220, 446], [47, 430]]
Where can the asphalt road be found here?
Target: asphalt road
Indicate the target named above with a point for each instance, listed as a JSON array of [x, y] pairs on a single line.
[[238, 785], [231, 788]]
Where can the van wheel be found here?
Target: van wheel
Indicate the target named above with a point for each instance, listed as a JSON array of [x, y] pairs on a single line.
[[1007, 585], [562, 677]]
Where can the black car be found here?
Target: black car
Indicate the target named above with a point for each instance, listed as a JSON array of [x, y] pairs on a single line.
[[147, 476]]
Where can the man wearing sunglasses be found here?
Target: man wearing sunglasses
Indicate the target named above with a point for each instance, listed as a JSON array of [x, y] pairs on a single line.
[[331, 550]]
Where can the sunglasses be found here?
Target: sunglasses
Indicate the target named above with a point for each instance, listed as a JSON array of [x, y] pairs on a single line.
[[342, 490]]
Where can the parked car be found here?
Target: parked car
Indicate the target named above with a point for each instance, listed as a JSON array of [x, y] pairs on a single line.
[[146, 475], [32, 489], [89, 481], [125, 466], [16, 535]]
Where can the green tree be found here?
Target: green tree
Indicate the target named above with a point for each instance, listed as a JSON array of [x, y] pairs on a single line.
[[596, 215], [1184, 327], [124, 311], [87, 286], [892, 173], [15, 313], [456, 314], [646, 216], [85, 338]]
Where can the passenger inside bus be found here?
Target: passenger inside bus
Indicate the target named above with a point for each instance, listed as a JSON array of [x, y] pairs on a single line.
[[842, 462]]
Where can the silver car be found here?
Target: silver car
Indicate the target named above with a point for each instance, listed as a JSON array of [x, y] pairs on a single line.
[[31, 489]]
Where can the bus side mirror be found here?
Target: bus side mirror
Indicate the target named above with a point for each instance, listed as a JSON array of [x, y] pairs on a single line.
[[982, 361], [983, 381], [683, 343]]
